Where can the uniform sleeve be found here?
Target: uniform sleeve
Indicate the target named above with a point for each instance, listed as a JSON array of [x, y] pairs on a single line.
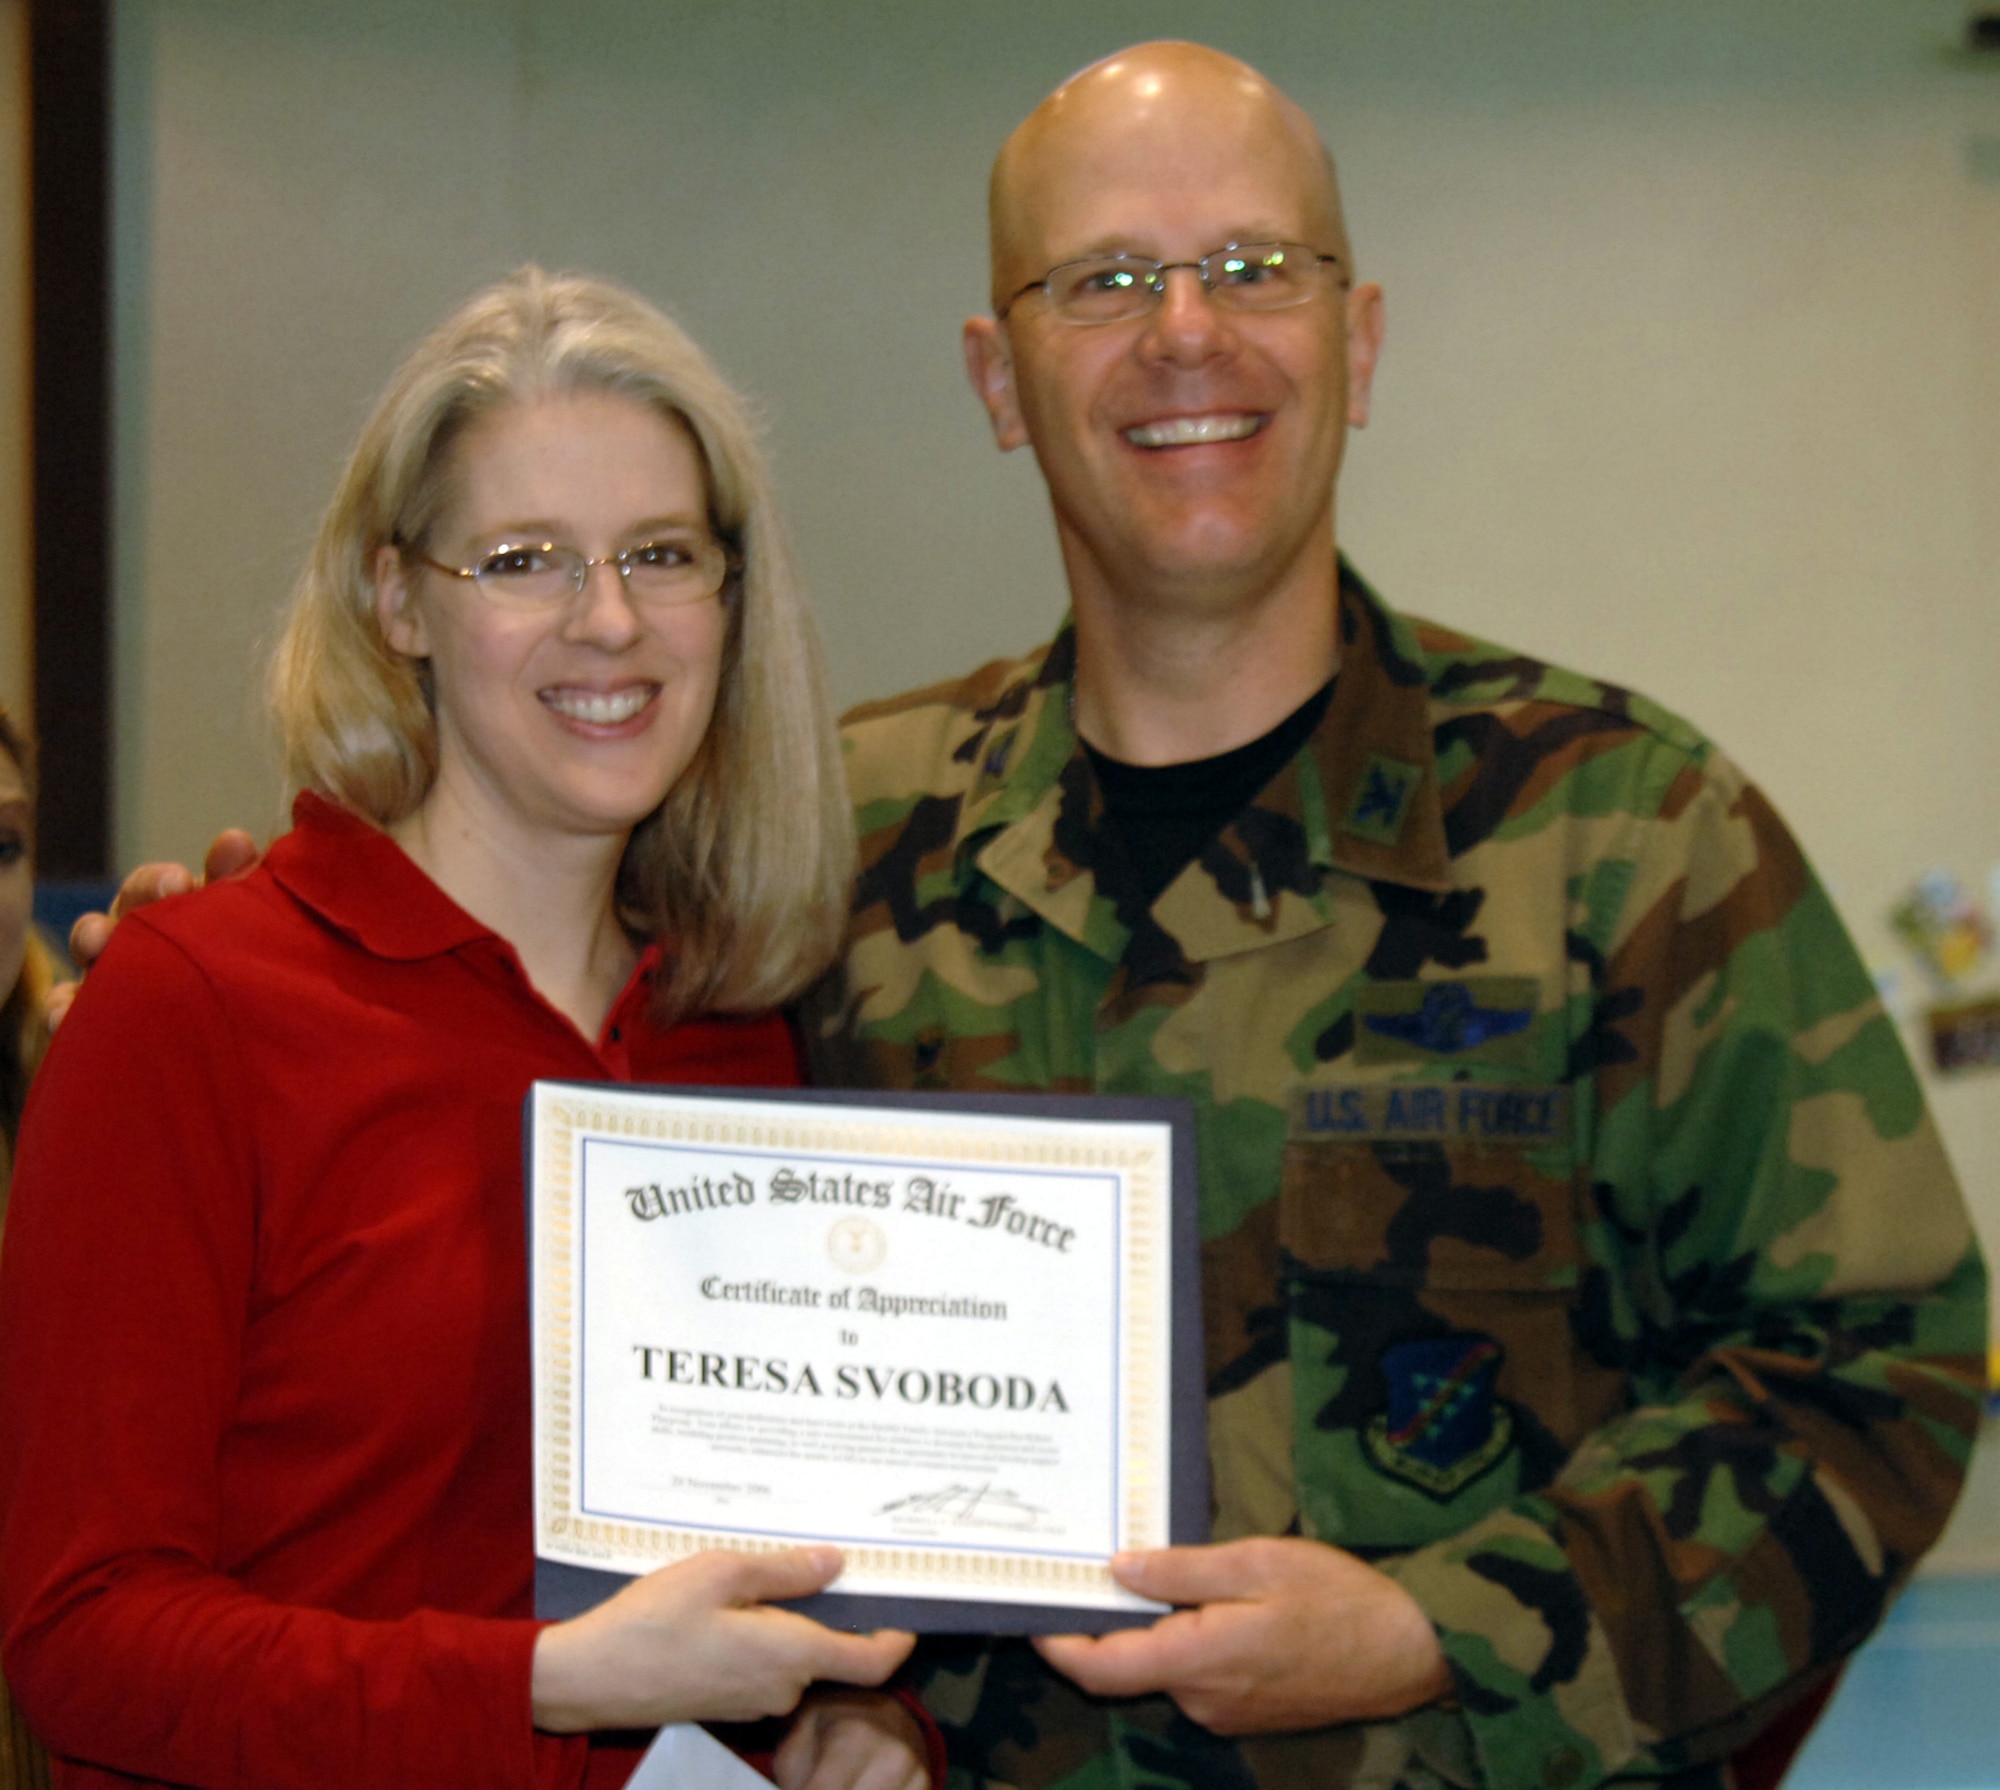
[[1784, 1265], [129, 1275]]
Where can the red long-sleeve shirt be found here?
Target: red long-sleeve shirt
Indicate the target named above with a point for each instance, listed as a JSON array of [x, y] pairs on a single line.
[[264, 1402]]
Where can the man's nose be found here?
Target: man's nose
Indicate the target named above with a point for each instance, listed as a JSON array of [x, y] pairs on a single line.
[[1186, 322]]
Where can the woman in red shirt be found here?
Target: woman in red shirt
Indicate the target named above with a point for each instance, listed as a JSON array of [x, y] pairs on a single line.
[[569, 807]]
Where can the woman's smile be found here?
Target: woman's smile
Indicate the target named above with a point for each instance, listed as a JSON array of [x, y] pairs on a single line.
[[602, 712]]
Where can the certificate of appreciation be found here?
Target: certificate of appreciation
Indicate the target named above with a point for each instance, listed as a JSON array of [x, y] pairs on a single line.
[[959, 1337]]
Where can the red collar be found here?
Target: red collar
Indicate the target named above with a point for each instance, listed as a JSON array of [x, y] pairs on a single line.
[[360, 881]]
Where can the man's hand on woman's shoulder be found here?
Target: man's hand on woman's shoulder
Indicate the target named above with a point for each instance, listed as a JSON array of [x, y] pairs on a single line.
[[230, 852]]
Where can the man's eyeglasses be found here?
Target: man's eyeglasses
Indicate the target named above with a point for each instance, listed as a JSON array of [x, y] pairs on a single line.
[[665, 572], [1246, 276]]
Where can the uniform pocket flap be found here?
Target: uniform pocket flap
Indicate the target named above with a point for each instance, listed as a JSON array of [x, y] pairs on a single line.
[[1458, 1206]]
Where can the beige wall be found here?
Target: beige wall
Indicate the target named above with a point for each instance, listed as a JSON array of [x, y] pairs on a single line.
[[17, 676], [1693, 377]]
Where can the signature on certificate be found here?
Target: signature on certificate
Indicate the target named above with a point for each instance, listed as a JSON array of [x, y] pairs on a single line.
[[983, 1506]]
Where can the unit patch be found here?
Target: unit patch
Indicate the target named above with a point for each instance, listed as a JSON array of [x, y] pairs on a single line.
[[1444, 1426], [1489, 1114], [1473, 1019]]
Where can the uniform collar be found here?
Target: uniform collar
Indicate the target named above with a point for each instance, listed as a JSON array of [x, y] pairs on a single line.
[[360, 881], [1361, 796], [1375, 751]]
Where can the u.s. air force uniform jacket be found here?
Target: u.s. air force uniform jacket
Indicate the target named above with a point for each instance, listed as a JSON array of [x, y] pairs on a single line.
[[1576, 1242]]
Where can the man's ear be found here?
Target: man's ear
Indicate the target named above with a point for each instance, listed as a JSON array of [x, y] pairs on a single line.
[[396, 610], [1365, 324], [989, 364]]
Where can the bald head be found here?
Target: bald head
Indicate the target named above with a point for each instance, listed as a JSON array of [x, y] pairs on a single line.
[[1157, 110], [1191, 446]]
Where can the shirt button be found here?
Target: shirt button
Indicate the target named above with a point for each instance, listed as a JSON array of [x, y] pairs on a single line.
[[617, 1034], [1562, 1768]]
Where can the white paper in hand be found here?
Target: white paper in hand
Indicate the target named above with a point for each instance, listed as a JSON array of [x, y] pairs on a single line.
[[685, 1757]]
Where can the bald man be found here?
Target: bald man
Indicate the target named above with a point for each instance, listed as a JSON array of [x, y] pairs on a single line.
[[1594, 1329]]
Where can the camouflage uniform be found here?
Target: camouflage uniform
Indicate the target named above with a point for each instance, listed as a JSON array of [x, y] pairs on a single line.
[[1576, 1243]]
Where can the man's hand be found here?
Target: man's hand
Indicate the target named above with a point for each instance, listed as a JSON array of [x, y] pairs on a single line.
[[698, 1642], [852, 1740], [1284, 1634], [229, 852]]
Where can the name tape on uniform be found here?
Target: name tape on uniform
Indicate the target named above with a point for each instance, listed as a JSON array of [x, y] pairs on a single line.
[[1459, 1112]]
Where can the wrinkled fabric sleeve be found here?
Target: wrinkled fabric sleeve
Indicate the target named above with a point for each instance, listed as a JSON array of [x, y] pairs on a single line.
[[1783, 1263], [130, 1273]]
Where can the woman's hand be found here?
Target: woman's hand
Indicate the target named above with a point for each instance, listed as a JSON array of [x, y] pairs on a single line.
[[853, 1740], [696, 1642]]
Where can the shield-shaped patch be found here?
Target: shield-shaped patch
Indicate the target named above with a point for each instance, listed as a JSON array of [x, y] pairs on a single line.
[[1445, 1425]]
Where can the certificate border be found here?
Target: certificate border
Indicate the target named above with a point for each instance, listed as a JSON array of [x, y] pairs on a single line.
[[1141, 1223], [563, 1589]]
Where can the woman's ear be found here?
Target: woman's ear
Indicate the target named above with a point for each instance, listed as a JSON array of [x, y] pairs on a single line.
[[396, 608]]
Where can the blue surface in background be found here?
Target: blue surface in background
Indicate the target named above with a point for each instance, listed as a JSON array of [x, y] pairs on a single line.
[[58, 905], [1919, 1708]]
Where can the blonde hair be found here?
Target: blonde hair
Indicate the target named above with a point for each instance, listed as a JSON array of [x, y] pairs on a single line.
[[744, 870]]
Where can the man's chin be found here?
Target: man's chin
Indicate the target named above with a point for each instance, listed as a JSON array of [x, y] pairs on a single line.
[[1199, 582], [1204, 555]]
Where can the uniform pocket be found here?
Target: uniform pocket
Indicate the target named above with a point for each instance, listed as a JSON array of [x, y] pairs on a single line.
[[1429, 1290]]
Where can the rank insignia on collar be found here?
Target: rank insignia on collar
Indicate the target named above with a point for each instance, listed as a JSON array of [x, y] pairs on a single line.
[[1482, 1019], [1445, 1426], [994, 757], [1382, 800]]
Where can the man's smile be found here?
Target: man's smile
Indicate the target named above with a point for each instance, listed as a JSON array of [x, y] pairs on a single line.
[[1196, 431]]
